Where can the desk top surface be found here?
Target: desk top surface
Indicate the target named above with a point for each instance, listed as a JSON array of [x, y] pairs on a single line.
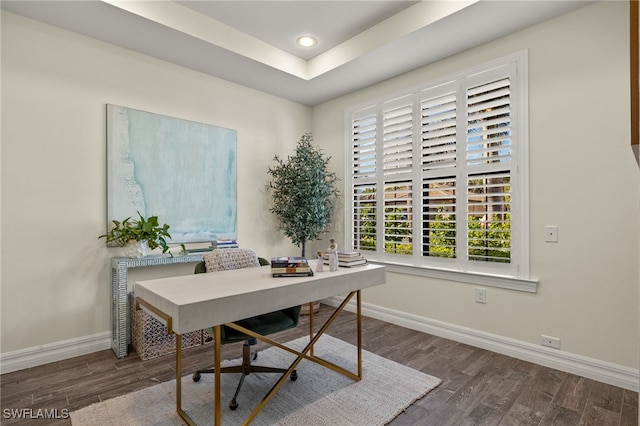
[[203, 300]]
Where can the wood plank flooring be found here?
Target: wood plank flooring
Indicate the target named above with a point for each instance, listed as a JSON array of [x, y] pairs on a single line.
[[479, 387]]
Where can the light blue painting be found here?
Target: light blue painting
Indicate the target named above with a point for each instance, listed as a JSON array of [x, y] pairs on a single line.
[[181, 171]]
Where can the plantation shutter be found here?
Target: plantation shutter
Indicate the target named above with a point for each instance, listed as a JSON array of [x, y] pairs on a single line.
[[439, 155], [364, 171], [397, 158], [488, 166], [434, 173]]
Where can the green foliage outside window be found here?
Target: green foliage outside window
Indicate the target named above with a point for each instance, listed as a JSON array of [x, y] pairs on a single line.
[[487, 240], [490, 241], [442, 235]]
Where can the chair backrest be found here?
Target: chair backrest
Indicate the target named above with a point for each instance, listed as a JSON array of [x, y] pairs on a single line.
[[230, 258]]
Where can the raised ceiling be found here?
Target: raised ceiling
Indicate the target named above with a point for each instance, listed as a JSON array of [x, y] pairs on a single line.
[[253, 42]]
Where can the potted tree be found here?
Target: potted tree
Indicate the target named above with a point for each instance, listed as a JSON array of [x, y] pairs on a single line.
[[138, 236], [304, 192]]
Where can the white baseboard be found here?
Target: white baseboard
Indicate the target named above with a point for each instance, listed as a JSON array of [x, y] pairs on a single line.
[[605, 372], [44, 354], [613, 374]]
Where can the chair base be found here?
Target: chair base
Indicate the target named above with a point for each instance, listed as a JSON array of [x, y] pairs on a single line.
[[245, 369]]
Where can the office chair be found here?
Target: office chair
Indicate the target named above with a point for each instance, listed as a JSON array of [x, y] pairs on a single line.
[[273, 322]]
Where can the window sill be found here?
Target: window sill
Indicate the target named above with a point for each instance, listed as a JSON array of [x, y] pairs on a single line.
[[510, 283]]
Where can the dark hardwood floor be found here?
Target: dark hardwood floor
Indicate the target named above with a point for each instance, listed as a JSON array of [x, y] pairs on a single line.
[[479, 387]]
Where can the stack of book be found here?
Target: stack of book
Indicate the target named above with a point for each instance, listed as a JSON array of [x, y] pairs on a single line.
[[290, 267], [224, 244], [214, 245], [347, 259]]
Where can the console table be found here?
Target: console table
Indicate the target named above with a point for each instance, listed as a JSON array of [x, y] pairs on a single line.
[[120, 328]]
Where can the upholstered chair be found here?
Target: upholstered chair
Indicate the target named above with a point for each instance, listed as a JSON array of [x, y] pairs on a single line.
[[265, 324]]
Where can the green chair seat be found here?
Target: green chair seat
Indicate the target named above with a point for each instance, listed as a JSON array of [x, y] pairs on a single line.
[[264, 324]]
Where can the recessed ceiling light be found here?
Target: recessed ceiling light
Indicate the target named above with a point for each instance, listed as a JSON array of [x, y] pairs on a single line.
[[307, 41]]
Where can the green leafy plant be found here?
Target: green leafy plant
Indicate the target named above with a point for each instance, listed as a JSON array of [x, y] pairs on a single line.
[[304, 192], [141, 229]]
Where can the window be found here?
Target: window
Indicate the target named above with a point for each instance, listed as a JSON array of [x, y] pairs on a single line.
[[438, 174]]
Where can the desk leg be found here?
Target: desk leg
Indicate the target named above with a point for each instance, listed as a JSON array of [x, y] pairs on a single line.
[[179, 410], [306, 353], [308, 348], [311, 327], [216, 387], [178, 373], [216, 393], [359, 326]]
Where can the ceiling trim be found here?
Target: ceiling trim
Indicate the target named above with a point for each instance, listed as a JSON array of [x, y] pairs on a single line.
[[420, 34], [197, 25], [412, 19], [187, 21]]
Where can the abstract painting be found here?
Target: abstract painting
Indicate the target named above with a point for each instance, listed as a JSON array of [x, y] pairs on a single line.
[[181, 171]]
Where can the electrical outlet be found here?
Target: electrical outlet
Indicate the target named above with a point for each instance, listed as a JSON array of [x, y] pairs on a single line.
[[551, 342], [481, 295]]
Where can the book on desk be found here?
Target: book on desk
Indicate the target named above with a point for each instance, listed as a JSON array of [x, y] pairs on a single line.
[[347, 259], [287, 266]]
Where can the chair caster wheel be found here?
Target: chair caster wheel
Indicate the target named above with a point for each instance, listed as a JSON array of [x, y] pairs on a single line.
[[233, 404], [294, 376], [196, 377]]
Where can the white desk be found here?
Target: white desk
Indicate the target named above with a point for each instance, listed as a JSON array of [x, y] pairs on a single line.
[[199, 301]]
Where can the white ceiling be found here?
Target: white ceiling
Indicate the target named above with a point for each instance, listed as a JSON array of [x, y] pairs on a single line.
[[253, 42], [280, 22]]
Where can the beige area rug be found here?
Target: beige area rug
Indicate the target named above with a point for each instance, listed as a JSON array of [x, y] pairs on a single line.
[[319, 396]]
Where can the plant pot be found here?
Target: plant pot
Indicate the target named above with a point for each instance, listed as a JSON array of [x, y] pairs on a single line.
[[136, 249]]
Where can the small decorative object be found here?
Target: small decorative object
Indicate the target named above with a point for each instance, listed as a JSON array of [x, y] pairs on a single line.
[[138, 236], [333, 255], [319, 265]]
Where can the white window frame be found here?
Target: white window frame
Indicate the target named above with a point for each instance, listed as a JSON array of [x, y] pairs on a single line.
[[515, 275]]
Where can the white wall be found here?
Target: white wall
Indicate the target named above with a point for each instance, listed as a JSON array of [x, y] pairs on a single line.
[[55, 85], [583, 178], [55, 273]]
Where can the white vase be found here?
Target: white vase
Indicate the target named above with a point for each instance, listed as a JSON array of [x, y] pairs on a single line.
[[136, 249]]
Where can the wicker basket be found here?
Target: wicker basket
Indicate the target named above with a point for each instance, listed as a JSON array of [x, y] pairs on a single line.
[[149, 335], [305, 308]]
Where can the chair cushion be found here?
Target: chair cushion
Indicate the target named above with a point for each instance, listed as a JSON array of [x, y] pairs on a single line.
[[264, 324], [230, 258], [237, 258]]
